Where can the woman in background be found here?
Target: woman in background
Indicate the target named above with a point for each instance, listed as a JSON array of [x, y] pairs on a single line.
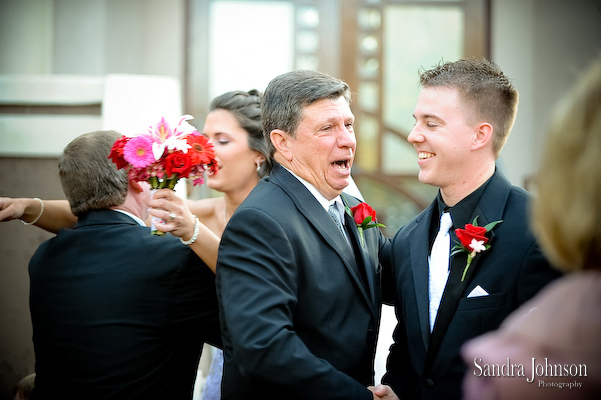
[[233, 126], [561, 326]]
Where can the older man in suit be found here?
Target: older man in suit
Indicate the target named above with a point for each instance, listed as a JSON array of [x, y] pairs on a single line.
[[117, 313], [298, 286], [444, 297]]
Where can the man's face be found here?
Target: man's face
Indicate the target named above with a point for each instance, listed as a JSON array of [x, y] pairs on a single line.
[[324, 147], [442, 137]]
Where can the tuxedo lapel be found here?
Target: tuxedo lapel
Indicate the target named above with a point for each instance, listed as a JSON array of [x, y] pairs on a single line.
[[419, 250], [490, 208], [363, 253], [317, 216]]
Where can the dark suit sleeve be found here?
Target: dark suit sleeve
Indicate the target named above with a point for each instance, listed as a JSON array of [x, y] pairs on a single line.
[[387, 277], [399, 374], [535, 273], [193, 299], [258, 289]]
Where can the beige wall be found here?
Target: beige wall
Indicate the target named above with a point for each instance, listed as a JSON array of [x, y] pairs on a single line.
[[28, 178], [67, 37], [542, 45], [93, 37]]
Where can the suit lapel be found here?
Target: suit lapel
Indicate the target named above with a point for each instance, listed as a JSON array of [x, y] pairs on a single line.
[[419, 250], [363, 252], [317, 216], [490, 208]]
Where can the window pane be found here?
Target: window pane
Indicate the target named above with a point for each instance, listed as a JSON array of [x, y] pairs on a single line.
[[307, 41], [367, 130], [238, 50], [400, 154], [414, 37], [308, 17], [368, 96]]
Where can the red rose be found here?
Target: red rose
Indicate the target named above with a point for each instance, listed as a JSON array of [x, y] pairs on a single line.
[[202, 151], [116, 154], [471, 232], [362, 211], [178, 163]]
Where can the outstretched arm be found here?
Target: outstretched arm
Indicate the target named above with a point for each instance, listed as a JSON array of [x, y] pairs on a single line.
[[166, 204], [50, 215]]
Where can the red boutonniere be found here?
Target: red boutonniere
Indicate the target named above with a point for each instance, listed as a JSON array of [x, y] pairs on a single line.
[[472, 241], [365, 218]]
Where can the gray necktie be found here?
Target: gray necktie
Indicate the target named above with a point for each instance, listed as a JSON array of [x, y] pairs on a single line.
[[439, 265], [333, 211]]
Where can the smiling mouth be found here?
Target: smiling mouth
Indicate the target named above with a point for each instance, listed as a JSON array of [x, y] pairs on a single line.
[[341, 164], [422, 155]]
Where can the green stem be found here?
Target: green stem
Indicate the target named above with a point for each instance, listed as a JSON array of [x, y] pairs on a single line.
[[361, 236], [172, 181], [154, 182], [467, 266]]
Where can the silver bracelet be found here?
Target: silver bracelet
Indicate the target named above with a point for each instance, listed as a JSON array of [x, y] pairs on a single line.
[[41, 212], [194, 235]]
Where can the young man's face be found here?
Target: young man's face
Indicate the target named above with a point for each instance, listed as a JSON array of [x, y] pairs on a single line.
[[442, 137]]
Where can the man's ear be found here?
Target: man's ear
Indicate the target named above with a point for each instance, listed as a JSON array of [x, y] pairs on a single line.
[[482, 136], [135, 186], [282, 141]]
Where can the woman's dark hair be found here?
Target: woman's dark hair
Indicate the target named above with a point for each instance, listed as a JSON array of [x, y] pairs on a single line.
[[246, 107]]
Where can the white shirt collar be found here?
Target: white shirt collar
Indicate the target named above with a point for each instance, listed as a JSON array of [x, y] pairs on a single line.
[[137, 219], [325, 203]]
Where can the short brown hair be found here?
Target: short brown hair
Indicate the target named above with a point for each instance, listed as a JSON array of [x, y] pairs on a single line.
[[90, 180], [485, 90]]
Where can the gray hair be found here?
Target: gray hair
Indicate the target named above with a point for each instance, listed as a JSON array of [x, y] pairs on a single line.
[[90, 180], [287, 95]]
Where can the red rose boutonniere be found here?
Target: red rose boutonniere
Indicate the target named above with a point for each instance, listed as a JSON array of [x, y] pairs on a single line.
[[472, 241], [365, 218]]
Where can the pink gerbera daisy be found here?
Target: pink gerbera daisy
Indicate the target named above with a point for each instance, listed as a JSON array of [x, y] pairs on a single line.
[[138, 152]]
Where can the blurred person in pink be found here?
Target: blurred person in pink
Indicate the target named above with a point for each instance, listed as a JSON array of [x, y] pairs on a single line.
[[550, 348]]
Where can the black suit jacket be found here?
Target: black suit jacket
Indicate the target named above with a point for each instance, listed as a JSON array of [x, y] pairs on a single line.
[[298, 321], [119, 313], [429, 366]]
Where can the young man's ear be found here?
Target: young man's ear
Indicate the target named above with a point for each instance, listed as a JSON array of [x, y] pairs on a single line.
[[482, 135], [281, 141]]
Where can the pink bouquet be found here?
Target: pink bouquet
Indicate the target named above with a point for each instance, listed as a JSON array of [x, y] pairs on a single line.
[[163, 155]]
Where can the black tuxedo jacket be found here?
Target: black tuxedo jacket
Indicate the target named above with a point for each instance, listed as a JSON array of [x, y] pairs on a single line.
[[119, 313], [298, 319], [429, 366]]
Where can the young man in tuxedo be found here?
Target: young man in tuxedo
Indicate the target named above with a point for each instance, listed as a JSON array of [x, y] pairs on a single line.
[[116, 312], [298, 287], [464, 114]]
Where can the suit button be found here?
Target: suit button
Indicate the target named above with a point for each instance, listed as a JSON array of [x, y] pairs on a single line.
[[429, 383]]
